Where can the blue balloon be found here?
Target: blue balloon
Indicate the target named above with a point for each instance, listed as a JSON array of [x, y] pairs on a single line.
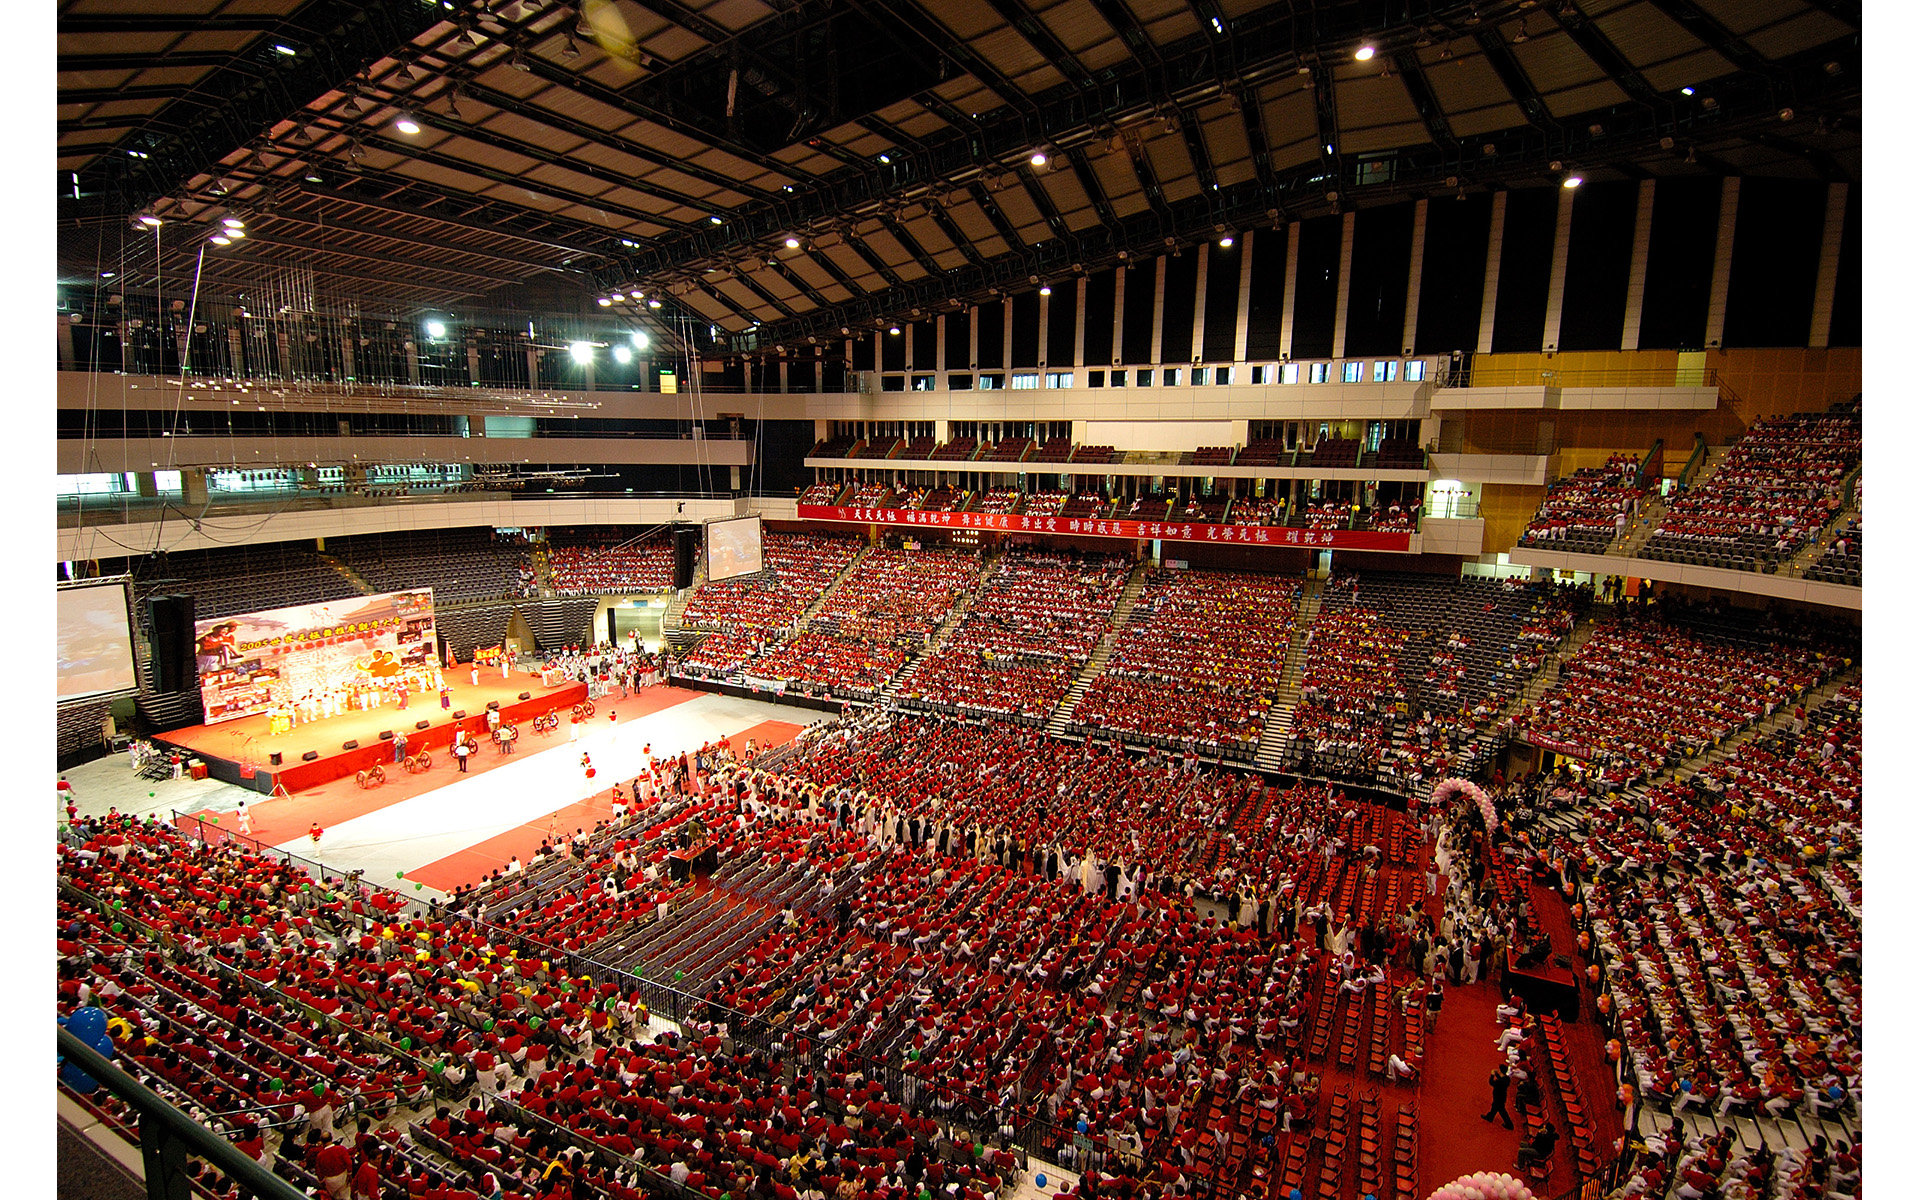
[[78, 1080], [1686, 1085], [104, 1045], [1039, 1181], [88, 1024], [1294, 1194]]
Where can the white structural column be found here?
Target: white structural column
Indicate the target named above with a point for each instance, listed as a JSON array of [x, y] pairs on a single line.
[[1202, 253], [1119, 309], [1245, 303], [1080, 323], [1292, 286], [1637, 270], [1490, 288], [1346, 285], [1557, 277], [1046, 316], [1828, 279], [973, 337], [1006, 335], [1416, 254], [1159, 307], [940, 342], [1723, 261]]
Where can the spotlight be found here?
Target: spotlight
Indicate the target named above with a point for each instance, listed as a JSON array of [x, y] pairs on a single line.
[[894, 330], [582, 351], [221, 239], [436, 329], [149, 220], [1039, 158], [793, 243], [1572, 181], [1686, 91], [603, 302], [1046, 289], [406, 124], [1226, 241], [282, 48], [233, 222], [653, 304], [714, 220], [1364, 53], [640, 339], [622, 355]]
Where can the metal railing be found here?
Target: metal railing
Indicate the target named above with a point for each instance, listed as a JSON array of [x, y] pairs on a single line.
[[168, 1135]]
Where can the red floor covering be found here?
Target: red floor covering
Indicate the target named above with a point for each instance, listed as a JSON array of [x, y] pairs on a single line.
[[276, 821], [473, 863]]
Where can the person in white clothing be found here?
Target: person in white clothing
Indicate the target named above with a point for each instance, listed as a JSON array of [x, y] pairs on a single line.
[[245, 819]]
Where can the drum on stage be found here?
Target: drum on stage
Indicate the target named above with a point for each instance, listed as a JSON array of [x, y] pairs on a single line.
[[280, 723]]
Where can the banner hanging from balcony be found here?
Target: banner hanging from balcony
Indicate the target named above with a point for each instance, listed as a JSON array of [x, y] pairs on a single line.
[[1110, 527]]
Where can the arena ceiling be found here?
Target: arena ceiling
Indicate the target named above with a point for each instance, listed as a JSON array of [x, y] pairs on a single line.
[[781, 168]]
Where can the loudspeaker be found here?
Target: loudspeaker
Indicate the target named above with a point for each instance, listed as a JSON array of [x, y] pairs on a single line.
[[273, 759], [686, 544], [310, 756], [350, 745], [421, 724], [526, 695], [171, 618], [493, 706], [459, 714], [386, 735]]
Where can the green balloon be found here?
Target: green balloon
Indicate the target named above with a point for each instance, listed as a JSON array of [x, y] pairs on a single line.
[[150, 795], [306, 887], [399, 874], [223, 906], [119, 903], [275, 1086], [418, 886], [533, 1023], [488, 1027], [215, 819], [246, 920], [118, 927], [406, 1043], [439, 1068], [679, 975]]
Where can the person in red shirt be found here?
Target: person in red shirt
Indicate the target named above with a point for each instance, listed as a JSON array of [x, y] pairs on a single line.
[[333, 1163], [314, 831]]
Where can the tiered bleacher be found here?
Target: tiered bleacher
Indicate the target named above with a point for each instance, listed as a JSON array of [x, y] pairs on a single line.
[[1032, 627], [897, 597], [594, 569], [920, 448], [1777, 488], [1840, 561], [1400, 454], [1335, 452], [870, 495], [838, 447], [1198, 662], [1054, 450], [999, 500], [879, 447], [459, 564], [1404, 670], [799, 568], [824, 492], [960, 449], [1096, 455], [241, 579], [1584, 512], [1263, 452], [1013, 449], [1646, 692], [1728, 911], [1212, 456], [1203, 510]]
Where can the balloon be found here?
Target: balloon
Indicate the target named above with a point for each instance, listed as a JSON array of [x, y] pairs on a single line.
[[406, 1043], [488, 1026], [399, 874], [306, 887], [88, 1024], [78, 1080], [276, 1085], [150, 795], [533, 1023], [117, 927], [215, 820], [119, 903], [223, 906], [1039, 1181], [439, 1068], [418, 886], [104, 1044]]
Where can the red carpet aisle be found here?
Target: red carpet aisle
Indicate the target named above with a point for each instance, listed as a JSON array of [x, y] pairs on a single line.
[[1586, 1041], [473, 863], [276, 821]]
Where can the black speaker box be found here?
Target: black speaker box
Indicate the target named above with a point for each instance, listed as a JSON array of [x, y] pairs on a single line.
[[171, 618], [386, 735], [273, 760], [310, 756], [350, 745], [686, 544], [421, 724], [526, 695], [459, 714], [493, 706]]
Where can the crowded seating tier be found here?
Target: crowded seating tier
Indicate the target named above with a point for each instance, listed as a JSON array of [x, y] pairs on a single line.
[[799, 568]]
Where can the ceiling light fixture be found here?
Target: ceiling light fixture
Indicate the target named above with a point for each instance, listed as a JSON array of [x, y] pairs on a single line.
[[1686, 91], [221, 239], [571, 50], [519, 62], [793, 243], [1364, 53], [604, 302], [150, 220], [640, 339], [582, 352], [283, 48], [1572, 181], [714, 220], [1046, 289], [1039, 158], [1226, 241], [622, 355], [406, 124], [233, 222]]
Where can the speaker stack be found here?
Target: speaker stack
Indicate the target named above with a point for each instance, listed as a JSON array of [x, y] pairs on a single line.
[[171, 619], [686, 544]]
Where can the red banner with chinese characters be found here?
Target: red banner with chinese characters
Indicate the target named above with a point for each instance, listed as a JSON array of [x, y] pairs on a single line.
[[1166, 531]]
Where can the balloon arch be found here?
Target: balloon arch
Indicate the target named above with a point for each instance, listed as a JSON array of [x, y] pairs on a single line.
[[1447, 789], [1483, 1185]]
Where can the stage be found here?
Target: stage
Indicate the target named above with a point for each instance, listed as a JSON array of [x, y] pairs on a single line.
[[231, 746]]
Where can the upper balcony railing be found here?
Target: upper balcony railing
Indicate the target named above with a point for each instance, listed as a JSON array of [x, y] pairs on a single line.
[[1267, 373]]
